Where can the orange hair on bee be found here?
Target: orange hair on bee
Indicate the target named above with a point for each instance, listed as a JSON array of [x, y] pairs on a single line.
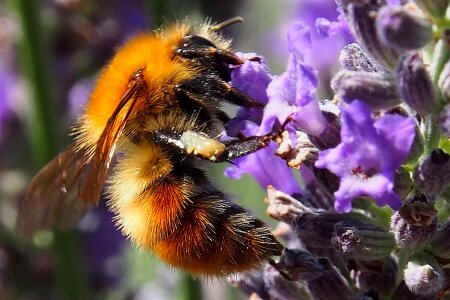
[[152, 54]]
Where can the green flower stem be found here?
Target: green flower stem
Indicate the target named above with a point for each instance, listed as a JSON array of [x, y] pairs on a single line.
[[42, 135], [431, 134], [440, 57], [191, 289], [32, 62]]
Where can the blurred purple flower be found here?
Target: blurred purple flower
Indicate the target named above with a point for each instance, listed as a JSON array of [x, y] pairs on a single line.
[[102, 246], [324, 51], [326, 28], [132, 17], [6, 85], [78, 96], [368, 155]]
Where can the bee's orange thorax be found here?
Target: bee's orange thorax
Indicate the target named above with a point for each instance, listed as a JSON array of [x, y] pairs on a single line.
[[153, 53]]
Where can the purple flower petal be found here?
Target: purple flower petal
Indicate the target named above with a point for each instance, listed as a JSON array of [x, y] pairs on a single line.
[[293, 92], [267, 169], [368, 155], [252, 77]]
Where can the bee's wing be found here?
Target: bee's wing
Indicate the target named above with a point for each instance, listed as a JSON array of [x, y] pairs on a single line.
[[95, 172], [52, 197], [60, 194]]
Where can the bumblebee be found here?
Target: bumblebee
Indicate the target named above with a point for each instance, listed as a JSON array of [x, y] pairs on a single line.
[[158, 104]]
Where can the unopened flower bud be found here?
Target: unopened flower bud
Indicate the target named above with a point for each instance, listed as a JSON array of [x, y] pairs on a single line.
[[318, 229], [403, 27], [297, 265], [363, 244], [330, 285], [331, 136], [377, 275], [378, 90], [403, 293], [444, 81], [415, 223], [402, 182], [278, 287], [440, 244], [283, 207], [415, 84], [436, 8], [249, 284], [423, 275], [361, 17], [319, 195], [353, 58], [444, 120], [417, 148], [326, 179], [432, 176]]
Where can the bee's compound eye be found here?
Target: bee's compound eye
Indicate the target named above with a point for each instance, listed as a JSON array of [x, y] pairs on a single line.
[[200, 41]]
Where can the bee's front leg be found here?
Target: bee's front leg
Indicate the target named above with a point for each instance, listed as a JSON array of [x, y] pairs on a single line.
[[199, 144]]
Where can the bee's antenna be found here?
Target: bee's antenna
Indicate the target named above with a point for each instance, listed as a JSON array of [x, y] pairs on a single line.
[[226, 23]]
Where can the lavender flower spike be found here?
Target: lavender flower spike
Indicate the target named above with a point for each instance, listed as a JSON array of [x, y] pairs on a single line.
[[369, 154]]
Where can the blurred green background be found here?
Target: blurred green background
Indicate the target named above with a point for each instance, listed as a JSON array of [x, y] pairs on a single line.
[[50, 54]]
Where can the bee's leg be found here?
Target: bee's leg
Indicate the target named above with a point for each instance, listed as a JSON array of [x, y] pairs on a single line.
[[210, 88], [197, 47], [199, 144], [242, 147]]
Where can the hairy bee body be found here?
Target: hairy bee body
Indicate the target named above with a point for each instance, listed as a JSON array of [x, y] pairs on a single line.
[[158, 104]]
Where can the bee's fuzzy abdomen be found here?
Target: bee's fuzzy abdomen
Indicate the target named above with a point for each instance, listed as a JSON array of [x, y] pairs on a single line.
[[185, 220]]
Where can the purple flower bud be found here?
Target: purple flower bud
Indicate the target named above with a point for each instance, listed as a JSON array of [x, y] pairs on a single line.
[[436, 8], [444, 81], [330, 137], [318, 229], [423, 275], [403, 293], [377, 275], [444, 120], [432, 176], [297, 265], [283, 207], [364, 244], [378, 90], [415, 84], [440, 244], [402, 182], [403, 27], [250, 284], [361, 16], [326, 179], [353, 58], [417, 148], [278, 287], [314, 190], [415, 223], [331, 285]]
